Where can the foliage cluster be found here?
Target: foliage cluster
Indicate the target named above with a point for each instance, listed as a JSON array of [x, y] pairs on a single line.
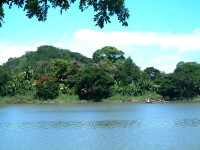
[[51, 72], [94, 84], [183, 83], [47, 87], [104, 9]]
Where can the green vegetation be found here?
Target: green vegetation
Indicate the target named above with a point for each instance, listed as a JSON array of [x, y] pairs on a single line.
[[39, 9], [57, 75], [94, 83], [130, 98], [47, 88]]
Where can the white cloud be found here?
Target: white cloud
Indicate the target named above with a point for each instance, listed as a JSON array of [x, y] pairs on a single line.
[[166, 63], [61, 41], [167, 58], [8, 50], [87, 41], [163, 63], [166, 68]]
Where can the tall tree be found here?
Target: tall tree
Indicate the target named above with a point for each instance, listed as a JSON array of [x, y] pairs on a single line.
[[4, 77], [167, 88], [59, 68], [94, 84], [187, 78], [108, 53], [183, 83], [131, 69], [39, 8], [128, 72], [152, 72], [47, 87], [41, 68]]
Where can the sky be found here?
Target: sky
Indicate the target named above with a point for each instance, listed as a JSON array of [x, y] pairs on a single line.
[[160, 34]]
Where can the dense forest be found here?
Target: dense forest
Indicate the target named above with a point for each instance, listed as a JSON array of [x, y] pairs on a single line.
[[50, 72]]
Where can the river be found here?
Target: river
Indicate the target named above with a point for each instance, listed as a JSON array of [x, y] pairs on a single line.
[[100, 126]]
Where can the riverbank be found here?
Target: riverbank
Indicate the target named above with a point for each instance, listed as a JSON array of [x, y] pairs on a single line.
[[29, 99], [65, 99]]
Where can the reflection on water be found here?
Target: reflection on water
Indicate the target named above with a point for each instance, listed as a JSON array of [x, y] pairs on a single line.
[[100, 126]]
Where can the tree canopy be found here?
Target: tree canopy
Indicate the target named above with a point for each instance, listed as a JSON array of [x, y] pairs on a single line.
[[104, 9], [94, 84], [108, 53], [51, 72], [152, 72], [183, 83]]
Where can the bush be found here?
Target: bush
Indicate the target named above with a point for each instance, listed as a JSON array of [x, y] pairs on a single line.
[[47, 88], [94, 84], [16, 85]]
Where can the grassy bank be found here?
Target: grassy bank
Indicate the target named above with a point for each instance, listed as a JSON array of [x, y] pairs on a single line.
[[28, 98], [127, 98]]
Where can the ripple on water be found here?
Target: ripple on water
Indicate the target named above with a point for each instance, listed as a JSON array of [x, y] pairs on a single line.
[[100, 124]]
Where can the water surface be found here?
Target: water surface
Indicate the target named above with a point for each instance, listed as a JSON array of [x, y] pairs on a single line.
[[109, 126]]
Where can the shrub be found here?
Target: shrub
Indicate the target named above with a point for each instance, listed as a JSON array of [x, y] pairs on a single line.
[[94, 84], [47, 88]]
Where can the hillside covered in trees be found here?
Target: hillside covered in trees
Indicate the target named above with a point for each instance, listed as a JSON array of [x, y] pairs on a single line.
[[50, 72]]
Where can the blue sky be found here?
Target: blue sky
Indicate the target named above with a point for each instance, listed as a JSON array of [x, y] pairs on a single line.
[[160, 33]]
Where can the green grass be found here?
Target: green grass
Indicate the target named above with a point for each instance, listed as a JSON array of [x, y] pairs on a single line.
[[127, 98], [197, 98], [117, 98], [18, 99], [66, 98], [28, 98]]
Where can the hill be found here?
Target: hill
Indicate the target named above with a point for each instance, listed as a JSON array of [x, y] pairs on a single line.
[[43, 54]]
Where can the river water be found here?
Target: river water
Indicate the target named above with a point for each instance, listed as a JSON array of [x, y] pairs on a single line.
[[100, 126]]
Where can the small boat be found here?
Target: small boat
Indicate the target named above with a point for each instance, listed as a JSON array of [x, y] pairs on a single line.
[[148, 101]]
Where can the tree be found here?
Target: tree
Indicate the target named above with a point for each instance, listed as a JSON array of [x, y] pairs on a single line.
[[12, 66], [152, 72], [129, 72], [131, 69], [183, 83], [187, 78], [27, 74], [94, 84], [108, 53], [39, 8], [167, 88], [74, 70], [47, 88], [17, 85], [59, 69], [4, 77], [41, 68]]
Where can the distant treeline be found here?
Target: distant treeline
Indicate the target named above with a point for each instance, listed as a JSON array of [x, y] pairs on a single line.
[[50, 72]]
